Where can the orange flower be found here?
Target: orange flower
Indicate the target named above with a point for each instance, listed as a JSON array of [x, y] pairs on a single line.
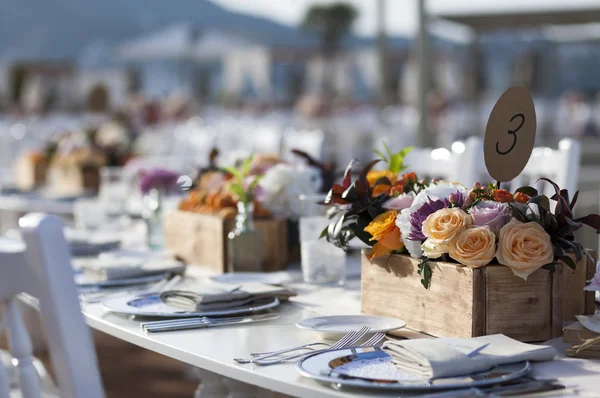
[[397, 188], [521, 197], [410, 177], [380, 189], [502, 196], [374, 175], [387, 234]]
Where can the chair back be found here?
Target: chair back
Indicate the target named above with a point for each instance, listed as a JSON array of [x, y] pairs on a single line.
[[559, 165], [40, 266]]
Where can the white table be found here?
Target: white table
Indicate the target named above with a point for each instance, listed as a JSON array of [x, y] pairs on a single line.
[[214, 349]]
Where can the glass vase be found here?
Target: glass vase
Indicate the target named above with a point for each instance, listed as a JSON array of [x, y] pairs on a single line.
[[153, 217], [244, 246]]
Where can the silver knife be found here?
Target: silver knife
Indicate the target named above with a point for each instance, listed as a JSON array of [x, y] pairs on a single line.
[[206, 323]]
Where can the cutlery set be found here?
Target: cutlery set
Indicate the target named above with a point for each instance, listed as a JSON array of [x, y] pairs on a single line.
[[348, 340], [202, 322]]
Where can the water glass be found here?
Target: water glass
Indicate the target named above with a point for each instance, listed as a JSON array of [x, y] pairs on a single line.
[[90, 214], [114, 189], [322, 262]]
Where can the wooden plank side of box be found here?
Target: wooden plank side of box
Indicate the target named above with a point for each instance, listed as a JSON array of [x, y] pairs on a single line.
[[577, 301], [198, 239], [201, 239], [517, 308], [391, 286]]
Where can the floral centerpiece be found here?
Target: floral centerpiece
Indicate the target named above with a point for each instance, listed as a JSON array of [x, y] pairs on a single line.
[[273, 186], [525, 230]]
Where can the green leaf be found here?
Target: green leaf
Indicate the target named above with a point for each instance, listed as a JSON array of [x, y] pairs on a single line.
[[233, 171], [255, 183], [425, 271], [396, 161], [387, 148], [246, 165], [529, 191], [380, 154], [239, 191], [406, 150], [324, 232]]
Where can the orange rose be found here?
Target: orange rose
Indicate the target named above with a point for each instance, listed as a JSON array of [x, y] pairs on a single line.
[[521, 197], [387, 234], [502, 196]]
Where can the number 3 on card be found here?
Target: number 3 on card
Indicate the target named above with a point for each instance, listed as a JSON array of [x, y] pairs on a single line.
[[510, 134]]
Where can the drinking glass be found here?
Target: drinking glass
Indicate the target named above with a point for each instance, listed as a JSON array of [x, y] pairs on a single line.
[[322, 262]]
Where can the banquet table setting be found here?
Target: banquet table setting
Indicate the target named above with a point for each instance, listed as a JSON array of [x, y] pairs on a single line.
[[238, 326], [269, 277]]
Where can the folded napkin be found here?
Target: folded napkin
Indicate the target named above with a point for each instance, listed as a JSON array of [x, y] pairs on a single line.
[[191, 301], [106, 269], [434, 358]]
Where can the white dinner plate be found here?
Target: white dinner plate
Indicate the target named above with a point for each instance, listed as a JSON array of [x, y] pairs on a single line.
[[267, 278], [370, 367], [337, 325], [152, 306]]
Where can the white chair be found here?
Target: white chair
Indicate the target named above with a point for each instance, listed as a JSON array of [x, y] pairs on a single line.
[[42, 268], [559, 165]]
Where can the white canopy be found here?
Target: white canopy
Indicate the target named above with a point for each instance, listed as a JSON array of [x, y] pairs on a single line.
[[486, 17], [182, 41]]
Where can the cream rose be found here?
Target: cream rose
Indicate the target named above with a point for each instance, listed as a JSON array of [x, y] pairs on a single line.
[[441, 228], [474, 247], [445, 224], [524, 247]]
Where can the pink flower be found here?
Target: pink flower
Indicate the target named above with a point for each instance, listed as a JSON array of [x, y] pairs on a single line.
[[403, 201], [594, 283], [493, 214]]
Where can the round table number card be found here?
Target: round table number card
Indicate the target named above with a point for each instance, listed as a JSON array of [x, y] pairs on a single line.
[[510, 134]]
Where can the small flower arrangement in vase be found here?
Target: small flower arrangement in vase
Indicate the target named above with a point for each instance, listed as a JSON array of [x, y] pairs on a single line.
[[443, 223]]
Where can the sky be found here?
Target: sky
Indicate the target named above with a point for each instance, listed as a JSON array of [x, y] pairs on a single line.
[[401, 15]]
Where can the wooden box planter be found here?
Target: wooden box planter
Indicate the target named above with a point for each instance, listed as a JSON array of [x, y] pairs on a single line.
[[29, 174], [73, 179], [464, 302], [201, 239]]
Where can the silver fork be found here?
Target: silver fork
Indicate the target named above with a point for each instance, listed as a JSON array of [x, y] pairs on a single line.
[[347, 341], [374, 340], [308, 346], [271, 354]]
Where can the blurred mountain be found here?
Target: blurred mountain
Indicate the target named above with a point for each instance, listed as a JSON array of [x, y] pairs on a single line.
[[63, 29]]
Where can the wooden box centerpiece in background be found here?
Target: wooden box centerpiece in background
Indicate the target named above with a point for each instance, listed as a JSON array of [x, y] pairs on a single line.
[[465, 302], [201, 239]]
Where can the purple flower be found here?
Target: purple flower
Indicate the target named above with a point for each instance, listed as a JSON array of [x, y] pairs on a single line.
[[594, 282], [160, 179], [418, 217], [493, 214]]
